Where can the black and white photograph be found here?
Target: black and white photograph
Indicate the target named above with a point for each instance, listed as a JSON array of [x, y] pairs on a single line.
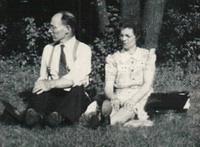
[[100, 73]]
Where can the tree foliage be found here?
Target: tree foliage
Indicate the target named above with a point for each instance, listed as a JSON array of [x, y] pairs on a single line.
[[179, 39]]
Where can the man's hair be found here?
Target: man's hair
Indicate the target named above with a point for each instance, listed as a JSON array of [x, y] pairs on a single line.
[[68, 18], [132, 25]]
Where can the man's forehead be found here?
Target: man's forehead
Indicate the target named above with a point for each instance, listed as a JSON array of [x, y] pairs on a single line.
[[56, 18]]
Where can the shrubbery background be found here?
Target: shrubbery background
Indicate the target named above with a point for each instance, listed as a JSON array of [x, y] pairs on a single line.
[[179, 39]]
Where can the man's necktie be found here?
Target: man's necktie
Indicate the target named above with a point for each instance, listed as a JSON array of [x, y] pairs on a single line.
[[62, 55], [63, 63]]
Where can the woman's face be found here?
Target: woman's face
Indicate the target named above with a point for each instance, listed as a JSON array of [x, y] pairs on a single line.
[[128, 38]]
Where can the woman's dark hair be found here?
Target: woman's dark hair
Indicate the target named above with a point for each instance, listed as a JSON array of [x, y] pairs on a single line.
[[69, 19], [132, 25]]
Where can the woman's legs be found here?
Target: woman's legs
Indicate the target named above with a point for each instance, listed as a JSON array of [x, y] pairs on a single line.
[[140, 109], [141, 115], [135, 115], [121, 116]]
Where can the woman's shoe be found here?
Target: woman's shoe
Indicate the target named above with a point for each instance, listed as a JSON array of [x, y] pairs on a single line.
[[139, 123]]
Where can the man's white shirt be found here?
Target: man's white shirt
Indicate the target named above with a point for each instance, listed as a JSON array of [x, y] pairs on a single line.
[[79, 69]]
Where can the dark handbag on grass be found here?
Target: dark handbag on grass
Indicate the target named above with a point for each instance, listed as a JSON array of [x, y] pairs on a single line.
[[178, 101]]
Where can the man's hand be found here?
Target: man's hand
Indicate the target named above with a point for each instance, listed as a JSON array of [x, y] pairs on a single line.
[[41, 86]]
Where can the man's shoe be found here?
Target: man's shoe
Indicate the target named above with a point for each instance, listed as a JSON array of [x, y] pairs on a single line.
[[54, 119], [32, 118], [9, 113]]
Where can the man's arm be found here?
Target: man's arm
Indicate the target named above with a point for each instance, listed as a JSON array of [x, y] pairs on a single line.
[[43, 84], [43, 65], [46, 85], [81, 69], [78, 73]]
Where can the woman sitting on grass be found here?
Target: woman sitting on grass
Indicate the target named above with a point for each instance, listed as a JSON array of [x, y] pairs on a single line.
[[129, 78]]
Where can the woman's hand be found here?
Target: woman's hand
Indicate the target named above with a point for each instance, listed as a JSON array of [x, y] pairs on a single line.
[[116, 104]]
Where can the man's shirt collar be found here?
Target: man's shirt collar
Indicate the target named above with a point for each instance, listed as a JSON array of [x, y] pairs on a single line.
[[69, 42]]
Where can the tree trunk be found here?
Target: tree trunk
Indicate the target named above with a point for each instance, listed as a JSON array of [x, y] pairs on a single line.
[[130, 10], [102, 14], [3, 6], [152, 22]]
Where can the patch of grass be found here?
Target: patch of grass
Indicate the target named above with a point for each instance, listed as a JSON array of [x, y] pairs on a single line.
[[169, 130]]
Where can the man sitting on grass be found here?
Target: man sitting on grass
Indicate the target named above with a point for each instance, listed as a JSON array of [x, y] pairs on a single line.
[[58, 95]]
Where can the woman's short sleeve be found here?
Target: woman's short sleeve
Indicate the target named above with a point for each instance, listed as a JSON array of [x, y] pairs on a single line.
[[150, 67], [151, 60]]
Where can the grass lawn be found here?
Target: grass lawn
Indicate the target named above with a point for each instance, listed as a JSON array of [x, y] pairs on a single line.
[[169, 130]]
